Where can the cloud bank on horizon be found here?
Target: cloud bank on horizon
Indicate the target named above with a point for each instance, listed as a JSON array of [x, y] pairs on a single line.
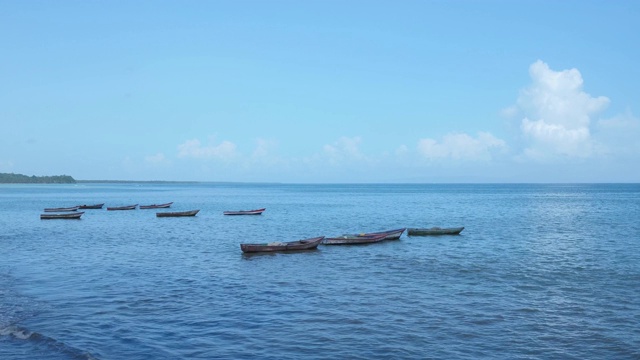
[[556, 119]]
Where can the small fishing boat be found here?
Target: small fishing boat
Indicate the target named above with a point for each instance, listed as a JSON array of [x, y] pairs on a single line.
[[177, 213], [128, 207], [434, 231], [156, 206], [354, 239], [245, 212], [96, 206], [388, 235], [61, 209], [69, 215], [306, 244]]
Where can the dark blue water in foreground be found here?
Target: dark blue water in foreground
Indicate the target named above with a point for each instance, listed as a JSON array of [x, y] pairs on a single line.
[[540, 272]]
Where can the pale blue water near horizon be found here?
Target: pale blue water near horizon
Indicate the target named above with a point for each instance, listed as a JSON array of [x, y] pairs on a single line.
[[541, 271]]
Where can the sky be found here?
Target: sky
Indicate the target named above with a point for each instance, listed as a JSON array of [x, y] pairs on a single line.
[[322, 91]]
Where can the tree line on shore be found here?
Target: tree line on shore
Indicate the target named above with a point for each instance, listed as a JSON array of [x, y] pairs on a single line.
[[11, 178]]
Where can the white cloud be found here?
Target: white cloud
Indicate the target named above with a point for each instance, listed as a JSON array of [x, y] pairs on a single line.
[[626, 121], [571, 142], [345, 149], [263, 148], [461, 147], [158, 158], [509, 112], [226, 150], [621, 134], [402, 150], [558, 113]]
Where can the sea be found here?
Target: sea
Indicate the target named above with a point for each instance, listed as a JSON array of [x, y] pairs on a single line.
[[540, 271]]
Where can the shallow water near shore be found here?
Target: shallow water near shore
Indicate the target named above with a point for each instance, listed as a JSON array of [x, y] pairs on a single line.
[[540, 271]]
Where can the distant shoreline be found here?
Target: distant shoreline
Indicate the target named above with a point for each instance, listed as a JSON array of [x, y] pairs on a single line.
[[12, 178], [135, 182]]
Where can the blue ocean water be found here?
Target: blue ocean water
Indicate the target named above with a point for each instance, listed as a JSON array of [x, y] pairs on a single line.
[[540, 272]]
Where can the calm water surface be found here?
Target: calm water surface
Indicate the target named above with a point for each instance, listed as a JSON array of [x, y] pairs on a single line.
[[540, 272]]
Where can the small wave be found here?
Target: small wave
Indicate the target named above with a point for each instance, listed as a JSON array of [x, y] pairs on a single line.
[[15, 332], [56, 346]]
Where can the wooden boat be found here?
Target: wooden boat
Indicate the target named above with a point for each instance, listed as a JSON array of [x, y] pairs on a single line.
[[434, 231], [156, 206], [69, 215], [177, 213], [306, 244], [245, 212], [96, 206], [354, 239], [128, 207], [388, 235], [63, 209]]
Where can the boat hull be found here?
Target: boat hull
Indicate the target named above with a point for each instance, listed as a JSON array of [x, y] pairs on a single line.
[[177, 213], [434, 231], [354, 239], [245, 212], [96, 206], [67, 216], [388, 235], [129, 207], [156, 206], [73, 208], [299, 245]]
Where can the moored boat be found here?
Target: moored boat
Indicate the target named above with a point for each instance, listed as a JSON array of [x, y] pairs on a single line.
[[128, 207], [69, 215], [434, 231], [96, 206], [388, 235], [156, 206], [354, 239], [61, 209], [305, 244], [245, 212], [177, 213]]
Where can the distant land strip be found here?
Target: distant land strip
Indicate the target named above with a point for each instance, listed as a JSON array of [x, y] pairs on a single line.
[[11, 178], [135, 182]]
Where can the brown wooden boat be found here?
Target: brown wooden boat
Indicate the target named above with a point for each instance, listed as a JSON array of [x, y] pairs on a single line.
[[96, 206], [388, 235], [434, 231], [128, 207], [177, 213], [156, 206], [245, 212], [61, 209], [354, 239], [69, 215], [305, 244]]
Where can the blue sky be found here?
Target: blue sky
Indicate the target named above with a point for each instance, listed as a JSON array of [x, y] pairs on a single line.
[[321, 91]]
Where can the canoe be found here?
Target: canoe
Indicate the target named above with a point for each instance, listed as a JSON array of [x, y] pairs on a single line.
[[156, 206], [96, 206], [354, 239], [306, 244], [245, 212], [70, 215], [177, 213], [63, 209], [388, 235], [128, 207], [434, 231]]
